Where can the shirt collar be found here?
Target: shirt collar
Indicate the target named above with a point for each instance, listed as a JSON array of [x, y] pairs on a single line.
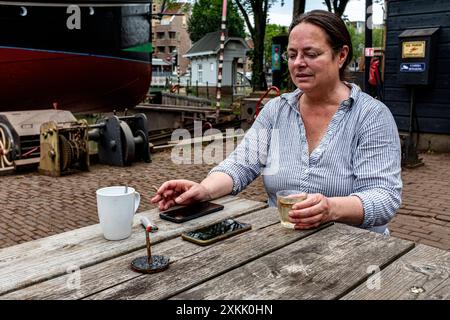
[[354, 94], [292, 97]]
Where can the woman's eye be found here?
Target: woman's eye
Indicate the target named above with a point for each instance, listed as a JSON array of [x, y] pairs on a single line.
[[311, 54]]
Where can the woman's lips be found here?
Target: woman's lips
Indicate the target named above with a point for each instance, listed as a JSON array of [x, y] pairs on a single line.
[[303, 76]]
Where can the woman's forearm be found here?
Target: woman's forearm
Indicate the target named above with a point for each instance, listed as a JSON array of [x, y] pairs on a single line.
[[218, 184], [347, 210]]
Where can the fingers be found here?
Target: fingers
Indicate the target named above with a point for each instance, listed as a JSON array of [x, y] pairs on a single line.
[[311, 212], [164, 205], [165, 196], [171, 189], [308, 215], [195, 193], [181, 192], [187, 196], [156, 199], [311, 200], [307, 221], [175, 185]]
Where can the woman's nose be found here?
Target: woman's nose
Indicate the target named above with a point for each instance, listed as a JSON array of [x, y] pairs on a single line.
[[300, 60]]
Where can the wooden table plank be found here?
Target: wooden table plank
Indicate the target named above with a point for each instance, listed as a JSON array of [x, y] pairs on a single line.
[[36, 261], [112, 272], [325, 265], [214, 260], [423, 273]]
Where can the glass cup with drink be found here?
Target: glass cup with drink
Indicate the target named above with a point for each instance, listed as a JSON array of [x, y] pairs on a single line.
[[285, 200]]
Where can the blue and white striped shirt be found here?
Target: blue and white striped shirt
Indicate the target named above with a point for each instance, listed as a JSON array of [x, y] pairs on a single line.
[[359, 155]]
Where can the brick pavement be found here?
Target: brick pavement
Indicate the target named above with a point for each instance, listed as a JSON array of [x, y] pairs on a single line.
[[35, 206], [424, 216]]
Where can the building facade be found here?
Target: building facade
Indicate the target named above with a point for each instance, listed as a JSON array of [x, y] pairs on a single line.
[[169, 35], [432, 102], [424, 108], [204, 61]]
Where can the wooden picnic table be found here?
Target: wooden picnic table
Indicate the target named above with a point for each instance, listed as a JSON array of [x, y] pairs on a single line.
[[335, 261]]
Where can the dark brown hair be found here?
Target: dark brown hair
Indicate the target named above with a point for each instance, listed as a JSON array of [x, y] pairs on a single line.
[[334, 28]]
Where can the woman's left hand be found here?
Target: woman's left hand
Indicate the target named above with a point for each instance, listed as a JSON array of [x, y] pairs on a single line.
[[312, 212]]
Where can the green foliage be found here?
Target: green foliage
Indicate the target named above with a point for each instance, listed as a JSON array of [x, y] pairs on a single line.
[[207, 17], [377, 37], [357, 41]]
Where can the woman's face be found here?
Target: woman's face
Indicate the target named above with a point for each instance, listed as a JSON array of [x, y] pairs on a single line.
[[313, 64]]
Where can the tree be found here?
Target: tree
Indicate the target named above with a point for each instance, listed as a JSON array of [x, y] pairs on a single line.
[[299, 7], [258, 9], [377, 37], [207, 16], [357, 41], [336, 6]]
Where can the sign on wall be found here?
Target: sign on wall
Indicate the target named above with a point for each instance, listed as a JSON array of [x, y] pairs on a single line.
[[413, 49], [412, 67], [369, 52]]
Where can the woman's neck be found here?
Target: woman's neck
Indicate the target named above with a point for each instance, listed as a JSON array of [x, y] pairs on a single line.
[[329, 96]]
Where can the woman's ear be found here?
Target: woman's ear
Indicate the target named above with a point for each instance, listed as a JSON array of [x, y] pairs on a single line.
[[343, 53]]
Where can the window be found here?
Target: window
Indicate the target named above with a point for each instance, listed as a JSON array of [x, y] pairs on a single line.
[[161, 49], [165, 21], [172, 48], [211, 66], [160, 35], [200, 73], [172, 34]]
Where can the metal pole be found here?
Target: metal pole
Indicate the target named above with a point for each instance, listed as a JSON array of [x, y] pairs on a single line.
[[178, 70], [368, 43], [411, 111], [410, 157], [232, 92], [149, 250], [222, 46]]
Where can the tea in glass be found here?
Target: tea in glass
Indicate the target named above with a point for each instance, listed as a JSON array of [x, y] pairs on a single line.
[[285, 200]]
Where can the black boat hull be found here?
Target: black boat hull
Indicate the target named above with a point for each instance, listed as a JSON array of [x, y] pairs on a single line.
[[92, 58]]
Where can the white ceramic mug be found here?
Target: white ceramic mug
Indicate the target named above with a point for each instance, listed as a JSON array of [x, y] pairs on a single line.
[[116, 207]]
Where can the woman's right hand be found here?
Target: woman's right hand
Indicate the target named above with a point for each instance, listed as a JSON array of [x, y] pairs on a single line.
[[182, 192]]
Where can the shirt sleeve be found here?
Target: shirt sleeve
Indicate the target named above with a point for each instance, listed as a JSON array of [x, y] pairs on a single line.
[[245, 163], [377, 167]]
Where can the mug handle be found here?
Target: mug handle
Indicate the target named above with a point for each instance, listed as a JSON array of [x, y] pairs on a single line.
[[137, 201]]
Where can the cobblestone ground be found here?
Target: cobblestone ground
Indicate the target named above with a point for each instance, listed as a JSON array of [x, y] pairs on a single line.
[[35, 206]]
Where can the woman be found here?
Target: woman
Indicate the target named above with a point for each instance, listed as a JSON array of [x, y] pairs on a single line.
[[327, 138]]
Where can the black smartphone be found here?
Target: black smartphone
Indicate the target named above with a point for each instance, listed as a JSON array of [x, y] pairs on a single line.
[[192, 211], [216, 232]]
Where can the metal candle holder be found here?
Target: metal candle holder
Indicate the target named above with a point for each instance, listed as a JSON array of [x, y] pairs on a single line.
[[149, 263]]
